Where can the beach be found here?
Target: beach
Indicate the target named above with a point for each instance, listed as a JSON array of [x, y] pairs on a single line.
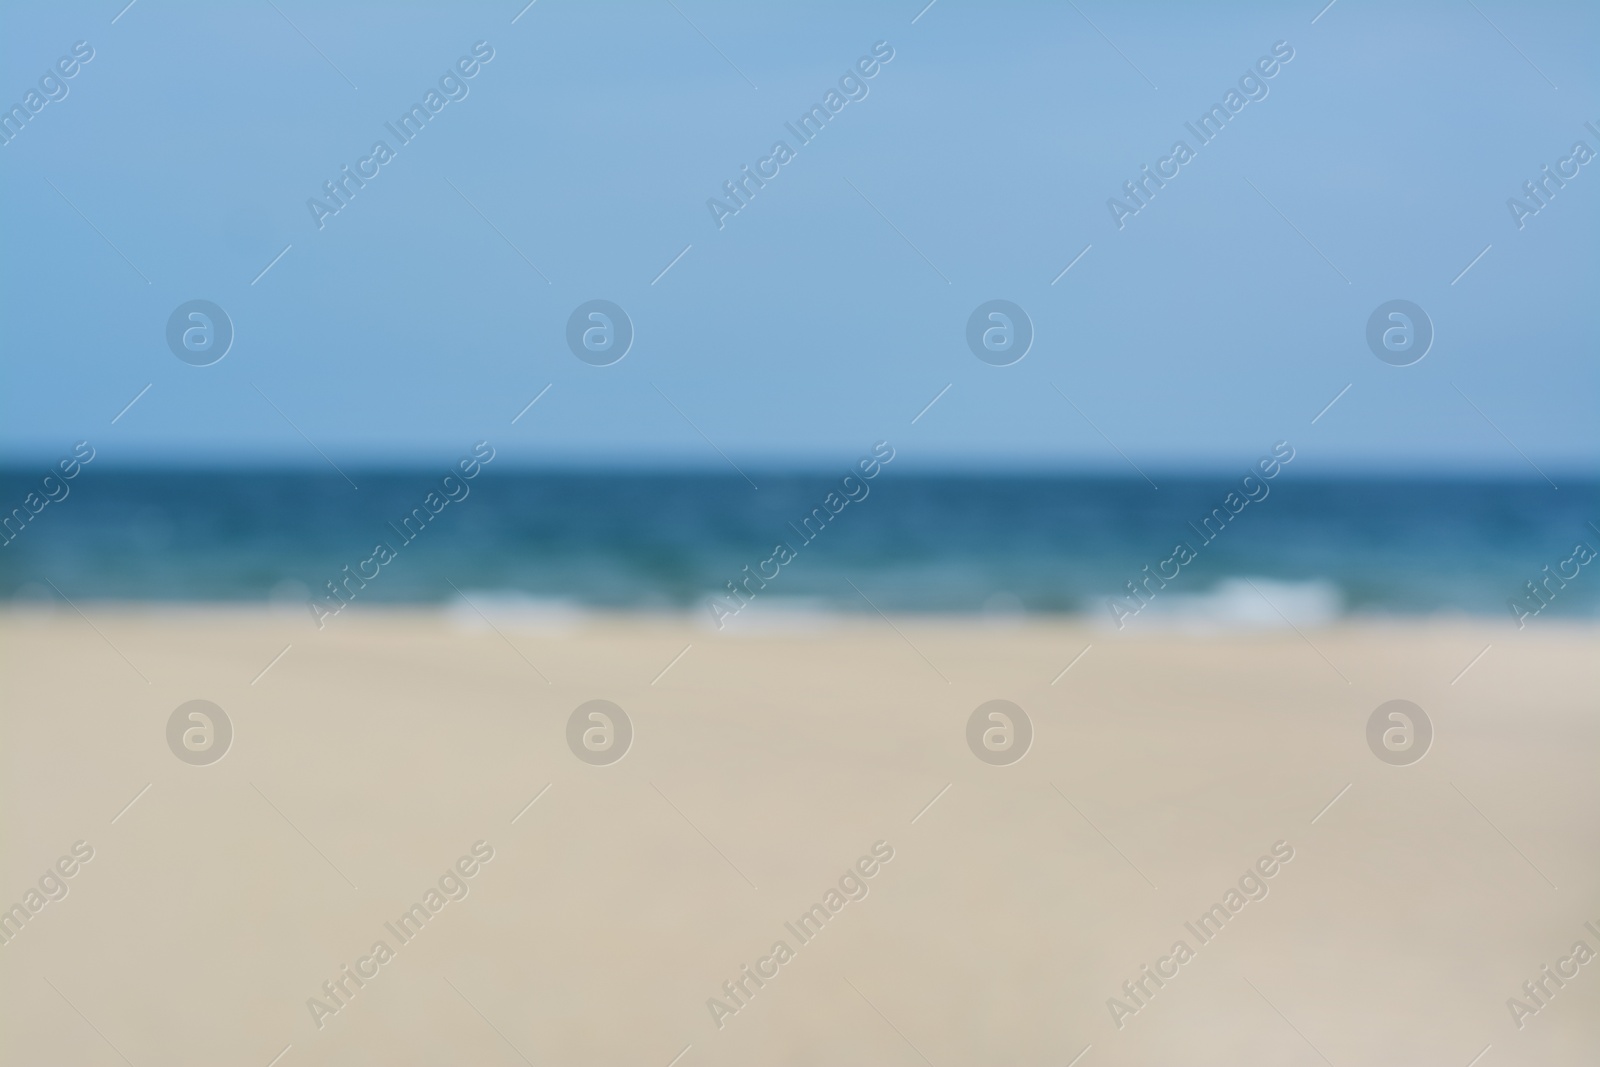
[[622, 536], [1014, 911]]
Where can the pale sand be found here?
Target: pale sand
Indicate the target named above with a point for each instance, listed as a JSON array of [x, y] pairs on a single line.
[[621, 900]]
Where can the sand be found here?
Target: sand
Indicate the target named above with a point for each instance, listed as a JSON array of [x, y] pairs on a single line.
[[372, 757]]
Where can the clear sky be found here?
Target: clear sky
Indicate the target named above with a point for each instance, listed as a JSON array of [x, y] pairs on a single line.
[[825, 314]]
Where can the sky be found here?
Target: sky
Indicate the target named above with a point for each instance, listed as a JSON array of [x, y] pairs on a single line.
[[1223, 316]]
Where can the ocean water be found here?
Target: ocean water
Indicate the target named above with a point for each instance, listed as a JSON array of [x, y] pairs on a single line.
[[1311, 550]]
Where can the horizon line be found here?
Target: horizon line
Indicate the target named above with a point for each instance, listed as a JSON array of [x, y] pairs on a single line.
[[1509, 473]]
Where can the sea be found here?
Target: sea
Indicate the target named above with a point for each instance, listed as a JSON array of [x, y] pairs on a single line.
[[1005, 546]]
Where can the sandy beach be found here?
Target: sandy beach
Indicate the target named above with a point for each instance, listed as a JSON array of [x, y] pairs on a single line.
[[969, 912]]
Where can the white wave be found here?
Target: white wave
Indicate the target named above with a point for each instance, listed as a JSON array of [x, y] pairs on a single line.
[[477, 609], [1244, 603]]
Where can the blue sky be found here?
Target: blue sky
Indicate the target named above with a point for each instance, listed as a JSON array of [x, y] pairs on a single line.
[[833, 307]]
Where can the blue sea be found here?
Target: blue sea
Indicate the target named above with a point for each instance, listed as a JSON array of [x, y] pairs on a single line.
[[1311, 550]]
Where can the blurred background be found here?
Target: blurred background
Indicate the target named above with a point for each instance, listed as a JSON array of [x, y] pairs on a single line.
[[412, 439]]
